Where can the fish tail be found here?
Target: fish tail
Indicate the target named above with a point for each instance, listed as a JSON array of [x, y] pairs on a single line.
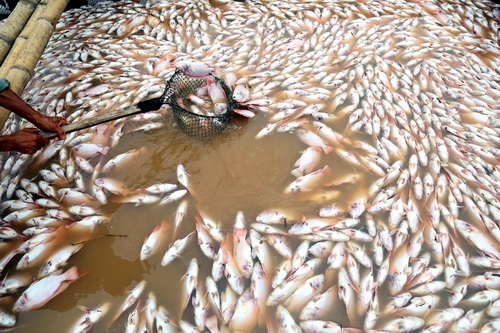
[[327, 149], [73, 274], [105, 150]]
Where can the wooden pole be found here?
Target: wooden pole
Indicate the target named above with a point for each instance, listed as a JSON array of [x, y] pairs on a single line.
[[99, 119], [14, 24], [20, 63]]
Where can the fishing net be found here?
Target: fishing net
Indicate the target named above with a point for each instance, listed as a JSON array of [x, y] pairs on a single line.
[[196, 112]]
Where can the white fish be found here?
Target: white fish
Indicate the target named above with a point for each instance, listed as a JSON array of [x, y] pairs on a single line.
[[479, 239], [469, 321], [273, 216], [165, 321], [114, 186], [346, 293], [246, 313], [397, 302], [219, 264], [218, 96], [82, 210], [14, 282], [372, 314], [360, 254], [194, 69], [205, 241], [448, 315], [179, 215], [213, 294], [300, 255], [154, 240], [91, 316], [321, 305], [42, 291], [21, 216], [88, 150], [419, 306], [313, 140], [201, 309], [123, 159], [96, 90], [187, 327], [486, 280], [131, 298], [160, 188], [7, 319], [183, 177], [281, 293], [132, 323], [260, 286], [398, 272], [229, 298], [285, 321], [242, 251], [241, 93], [176, 249], [8, 233], [150, 311], [139, 198], [338, 256], [405, 324], [58, 259], [234, 277], [321, 249], [71, 196], [190, 281], [36, 253], [307, 161], [211, 226], [281, 245], [357, 207], [330, 211], [309, 181], [300, 297], [482, 297], [323, 326], [176, 195], [261, 251]]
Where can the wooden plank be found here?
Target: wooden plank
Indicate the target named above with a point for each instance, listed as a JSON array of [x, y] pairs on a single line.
[[86, 123], [14, 24], [28, 47]]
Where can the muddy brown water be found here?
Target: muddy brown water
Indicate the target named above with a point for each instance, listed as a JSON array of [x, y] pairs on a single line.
[[232, 172], [229, 173]]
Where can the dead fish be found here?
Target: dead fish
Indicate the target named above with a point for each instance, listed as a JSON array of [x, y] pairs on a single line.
[[154, 240], [91, 316], [42, 291]]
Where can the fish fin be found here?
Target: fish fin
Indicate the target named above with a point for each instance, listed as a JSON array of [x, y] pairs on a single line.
[[244, 113], [83, 308], [327, 149]]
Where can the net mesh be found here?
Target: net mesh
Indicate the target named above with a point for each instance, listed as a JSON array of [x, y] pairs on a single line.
[[199, 119]]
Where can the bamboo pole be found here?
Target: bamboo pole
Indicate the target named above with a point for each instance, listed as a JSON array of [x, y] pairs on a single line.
[[19, 65], [20, 41], [14, 24]]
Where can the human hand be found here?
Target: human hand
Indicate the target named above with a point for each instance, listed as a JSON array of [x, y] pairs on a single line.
[[52, 124], [25, 141]]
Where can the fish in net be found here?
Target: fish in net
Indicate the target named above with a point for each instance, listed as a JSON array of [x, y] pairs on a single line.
[[202, 105]]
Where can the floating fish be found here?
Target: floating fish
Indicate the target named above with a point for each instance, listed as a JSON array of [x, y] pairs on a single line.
[[42, 291]]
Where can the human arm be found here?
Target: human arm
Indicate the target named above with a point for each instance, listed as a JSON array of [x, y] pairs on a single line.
[[24, 141], [10, 100]]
